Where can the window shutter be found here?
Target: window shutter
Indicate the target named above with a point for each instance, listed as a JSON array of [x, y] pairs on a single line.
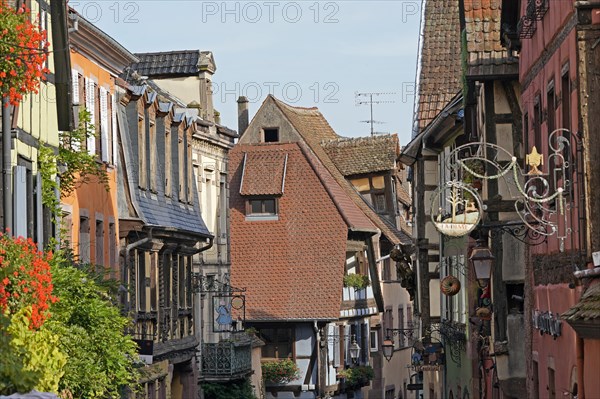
[[104, 124], [91, 108], [114, 128], [75, 88], [336, 346], [20, 201]]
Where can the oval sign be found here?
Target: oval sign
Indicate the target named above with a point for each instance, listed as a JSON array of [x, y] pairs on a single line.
[[456, 209]]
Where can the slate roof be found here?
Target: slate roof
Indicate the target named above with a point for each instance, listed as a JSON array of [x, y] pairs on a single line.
[[315, 129], [155, 209], [180, 62], [292, 268], [588, 307], [354, 156], [440, 77], [486, 55], [263, 173]]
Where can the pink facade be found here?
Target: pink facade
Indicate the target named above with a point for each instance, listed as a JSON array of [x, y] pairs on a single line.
[[548, 72]]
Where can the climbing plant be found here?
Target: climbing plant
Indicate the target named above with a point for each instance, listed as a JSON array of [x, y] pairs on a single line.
[[73, 164]]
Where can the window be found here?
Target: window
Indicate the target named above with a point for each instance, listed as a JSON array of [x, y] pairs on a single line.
[[141, 281], [401, 340], [387, 270], [90, 106], [373, 341], [551, 384], [181, 162], [388, 321], [390, 393], [168, 158], [112, 248], [279, 343], [153, 280], [515, 298], [181, 285], [379, 202], [153, 151], [99, 243], [537, 124], [271, 135], [189, 174], [261, 207], [141, 147], [84, 240], [409, 324], [551, 124], [536, 380], [565, 84]]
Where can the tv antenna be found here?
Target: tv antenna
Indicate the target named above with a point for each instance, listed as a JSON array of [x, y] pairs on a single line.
[[367, 98]]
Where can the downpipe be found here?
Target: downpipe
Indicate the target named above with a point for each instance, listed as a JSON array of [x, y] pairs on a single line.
[[7, 166]]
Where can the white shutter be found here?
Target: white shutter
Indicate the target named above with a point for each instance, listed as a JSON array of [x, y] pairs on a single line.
[[20, 201], [104, 124], [114, 129], [90, 105], [75, 86]]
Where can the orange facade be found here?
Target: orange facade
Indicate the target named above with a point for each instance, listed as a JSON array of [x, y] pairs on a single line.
[[91, 219]]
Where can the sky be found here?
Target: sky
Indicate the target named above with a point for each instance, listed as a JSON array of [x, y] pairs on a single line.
[[306, 53]]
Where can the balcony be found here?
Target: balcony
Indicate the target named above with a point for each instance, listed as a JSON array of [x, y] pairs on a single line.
[[227, 360]]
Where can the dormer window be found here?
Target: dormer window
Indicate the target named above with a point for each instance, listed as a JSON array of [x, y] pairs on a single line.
[[271, 135]]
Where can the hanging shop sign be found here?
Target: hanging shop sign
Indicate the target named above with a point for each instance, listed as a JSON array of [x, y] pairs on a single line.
[[228, 312], [458, 210]]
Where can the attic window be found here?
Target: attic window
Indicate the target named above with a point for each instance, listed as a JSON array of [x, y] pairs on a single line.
[[262, 208], [271, 135]]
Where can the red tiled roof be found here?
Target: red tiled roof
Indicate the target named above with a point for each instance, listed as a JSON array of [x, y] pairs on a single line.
[[354, 156], [263, 173], [441, 69], [301, 256], [315, 129], [486, 55]]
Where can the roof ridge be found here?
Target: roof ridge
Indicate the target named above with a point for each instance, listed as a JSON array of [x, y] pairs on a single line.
[[168, 52]]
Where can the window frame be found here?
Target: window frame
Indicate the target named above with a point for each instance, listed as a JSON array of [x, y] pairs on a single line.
[[270, 129], [291, 342], [250, 215]]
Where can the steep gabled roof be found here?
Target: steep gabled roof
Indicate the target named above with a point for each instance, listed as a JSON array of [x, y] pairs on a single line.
[[440, 61], [486, 55], [355, 156], [293, 267], [314, 129]]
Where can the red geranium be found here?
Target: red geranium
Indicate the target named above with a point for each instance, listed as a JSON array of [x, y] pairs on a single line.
[[23, 53], [25, 279]]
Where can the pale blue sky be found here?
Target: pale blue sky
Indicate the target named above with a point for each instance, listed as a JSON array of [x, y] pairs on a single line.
[[307, 53]]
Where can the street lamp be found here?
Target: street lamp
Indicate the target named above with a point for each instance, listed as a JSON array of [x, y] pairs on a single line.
[[354, 350], [388, 348], [482, 260]]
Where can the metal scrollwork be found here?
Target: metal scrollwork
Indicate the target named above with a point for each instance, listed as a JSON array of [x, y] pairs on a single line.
[[542, 192]]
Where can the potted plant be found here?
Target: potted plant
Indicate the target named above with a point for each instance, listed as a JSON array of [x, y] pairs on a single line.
[[358, 281], [280, 371], [357, 377]]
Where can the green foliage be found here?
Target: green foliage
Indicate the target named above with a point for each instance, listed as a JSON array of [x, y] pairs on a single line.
[[31, 359], [77, 165], [358, 281], [91, 327], [238, 389], [357, 377], [280, 371]]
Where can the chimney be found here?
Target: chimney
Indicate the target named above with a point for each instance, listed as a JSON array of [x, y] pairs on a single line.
[[243, 119]]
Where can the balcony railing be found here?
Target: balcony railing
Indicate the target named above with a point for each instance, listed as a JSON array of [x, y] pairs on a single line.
[[224, 361]]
